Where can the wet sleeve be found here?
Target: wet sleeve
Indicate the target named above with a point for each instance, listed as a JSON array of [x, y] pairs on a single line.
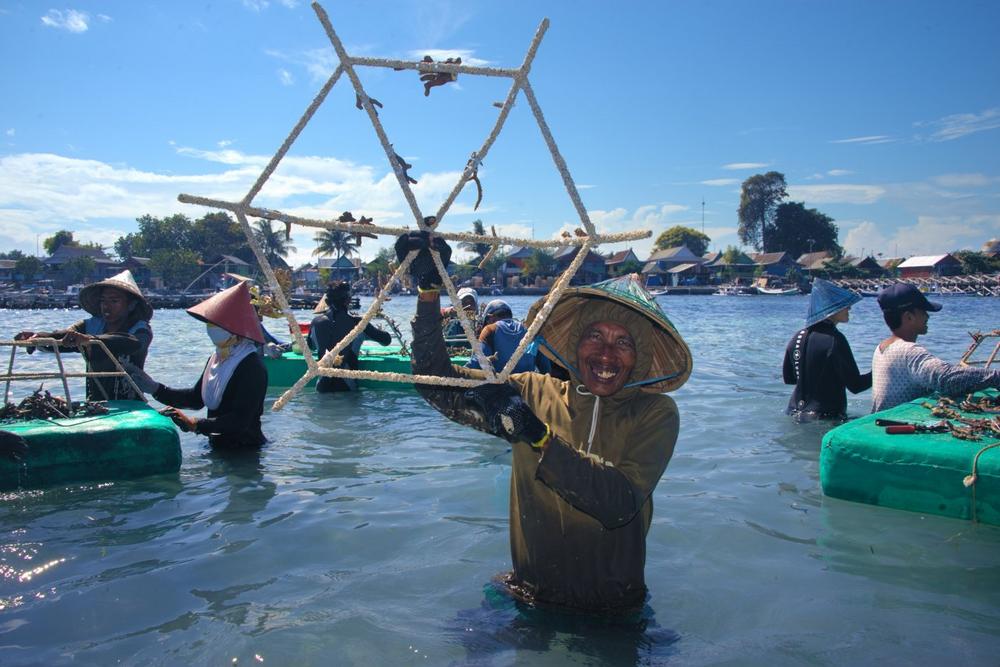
[[613, 493], [430, 357], [243, 400], [377, 335], [189, 399], [847, 368], [949, 379], [788, 367]]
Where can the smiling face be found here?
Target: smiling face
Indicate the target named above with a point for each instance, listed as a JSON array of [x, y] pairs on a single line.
[[114, 307], [605, 356]]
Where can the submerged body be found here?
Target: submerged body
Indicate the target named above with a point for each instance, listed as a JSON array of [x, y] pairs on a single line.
[[578, 520], [819, 362]]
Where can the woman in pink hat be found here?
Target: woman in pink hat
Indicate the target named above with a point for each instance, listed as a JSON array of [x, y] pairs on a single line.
[[234, 382], [119, 318]]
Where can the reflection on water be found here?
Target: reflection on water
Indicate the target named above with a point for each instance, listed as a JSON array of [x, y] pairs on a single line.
[[367, 530]]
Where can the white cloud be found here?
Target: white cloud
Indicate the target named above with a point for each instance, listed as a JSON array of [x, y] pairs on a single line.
[[440, 55], [71, 20], [285, 77], [318, 63], [653, 217], [582, 186], [10, 132], [720, 181], [959, 125], [868, 140], [839, 172], [733, 166], [104, 18], [930, 235], [963, 180], [837, 194]]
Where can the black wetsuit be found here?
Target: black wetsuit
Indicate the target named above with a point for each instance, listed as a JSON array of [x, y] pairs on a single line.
[[819, 362], [236, 422], [329, 329]]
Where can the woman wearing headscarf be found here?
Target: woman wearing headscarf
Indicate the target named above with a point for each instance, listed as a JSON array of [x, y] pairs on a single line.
[[120, 317], [234, 382], [587, 452], [818, 358]]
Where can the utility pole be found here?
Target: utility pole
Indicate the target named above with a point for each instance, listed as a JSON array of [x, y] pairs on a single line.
[[702, 215]]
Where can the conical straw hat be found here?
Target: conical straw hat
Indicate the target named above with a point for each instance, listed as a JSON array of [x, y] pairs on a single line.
[[827, 299], [232, 311], [663, 355], [90, 296]]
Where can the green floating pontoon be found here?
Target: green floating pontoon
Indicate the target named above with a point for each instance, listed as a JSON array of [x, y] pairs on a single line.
[[919, 472], [289, 367], [131, 440]]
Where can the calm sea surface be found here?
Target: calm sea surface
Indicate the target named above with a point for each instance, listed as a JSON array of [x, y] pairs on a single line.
[[366, 532]]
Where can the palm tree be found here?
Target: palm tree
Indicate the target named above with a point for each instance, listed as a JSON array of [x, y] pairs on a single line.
[[274, 244], [334, 241], [477, 249]]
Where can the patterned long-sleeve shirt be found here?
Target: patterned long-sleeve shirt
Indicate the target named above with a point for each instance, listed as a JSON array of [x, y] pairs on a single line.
[[906, 371]]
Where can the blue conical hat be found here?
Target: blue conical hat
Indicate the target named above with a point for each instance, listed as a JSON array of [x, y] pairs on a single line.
[[826, 299], [667, 360]]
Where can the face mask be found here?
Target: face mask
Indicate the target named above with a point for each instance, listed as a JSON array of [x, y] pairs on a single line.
[[218, 334]]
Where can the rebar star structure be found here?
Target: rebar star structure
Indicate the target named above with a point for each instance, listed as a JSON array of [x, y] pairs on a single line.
[[587, 237]]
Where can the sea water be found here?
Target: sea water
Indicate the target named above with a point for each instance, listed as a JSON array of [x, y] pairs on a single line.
[[367, 530]]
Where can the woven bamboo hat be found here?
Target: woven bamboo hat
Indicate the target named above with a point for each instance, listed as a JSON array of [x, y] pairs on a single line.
[[232, 311], [827, 299], [663, 360], [90, 296]]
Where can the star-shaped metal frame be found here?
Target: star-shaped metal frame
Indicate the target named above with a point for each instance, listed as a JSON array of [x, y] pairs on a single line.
[[587, 239]]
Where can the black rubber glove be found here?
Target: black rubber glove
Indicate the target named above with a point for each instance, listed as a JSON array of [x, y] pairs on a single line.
[[506, 413], [423, 269], [13, 446]]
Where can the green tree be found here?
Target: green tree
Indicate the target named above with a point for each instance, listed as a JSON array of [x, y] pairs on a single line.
[[79, 269], [218, 234], [538, 263], [334, 242], [731, 255], [631, 266], [798, 230], [974, 262], [177, 266], [62, 237], [759, 200], [126, 246], [679, 235], [380, 265], [12, 254], [272, 242], [478, 250], [28, 266]]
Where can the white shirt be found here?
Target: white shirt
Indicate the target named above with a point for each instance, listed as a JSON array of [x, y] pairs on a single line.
[[907, 371]]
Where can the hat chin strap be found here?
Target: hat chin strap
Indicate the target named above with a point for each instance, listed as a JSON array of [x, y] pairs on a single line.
[[638, 383]]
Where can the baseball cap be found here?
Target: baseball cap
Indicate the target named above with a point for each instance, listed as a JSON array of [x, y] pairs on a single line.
[[904, 296]]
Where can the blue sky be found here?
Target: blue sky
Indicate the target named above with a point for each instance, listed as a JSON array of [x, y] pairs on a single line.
[[884, 115]]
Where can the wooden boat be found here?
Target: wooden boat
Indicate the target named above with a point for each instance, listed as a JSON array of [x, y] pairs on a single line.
[[919, 472], [778, 291], [131, 440], [284, 371]]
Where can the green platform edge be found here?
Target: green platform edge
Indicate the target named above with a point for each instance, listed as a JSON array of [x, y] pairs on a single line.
[[285, 371], [918, 472], [132, 440]]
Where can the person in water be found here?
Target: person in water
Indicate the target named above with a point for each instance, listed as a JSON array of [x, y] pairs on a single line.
[[119, 318], [904, 371], [468, 301], [330, 327], [818, 358], [501, 335], [234, 382], [588, 452]]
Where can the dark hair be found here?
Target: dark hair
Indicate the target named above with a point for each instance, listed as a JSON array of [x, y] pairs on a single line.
[[337, 292], [894, 318]]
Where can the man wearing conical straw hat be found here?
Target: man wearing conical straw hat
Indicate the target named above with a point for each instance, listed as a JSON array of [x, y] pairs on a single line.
[[588, 451], [120, 317], [818, 358], [234, 382]]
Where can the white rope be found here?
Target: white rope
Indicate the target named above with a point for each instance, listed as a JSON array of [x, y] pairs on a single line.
[[243, 209]]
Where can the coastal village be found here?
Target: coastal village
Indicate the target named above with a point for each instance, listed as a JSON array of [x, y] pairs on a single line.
[[54, 279]]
